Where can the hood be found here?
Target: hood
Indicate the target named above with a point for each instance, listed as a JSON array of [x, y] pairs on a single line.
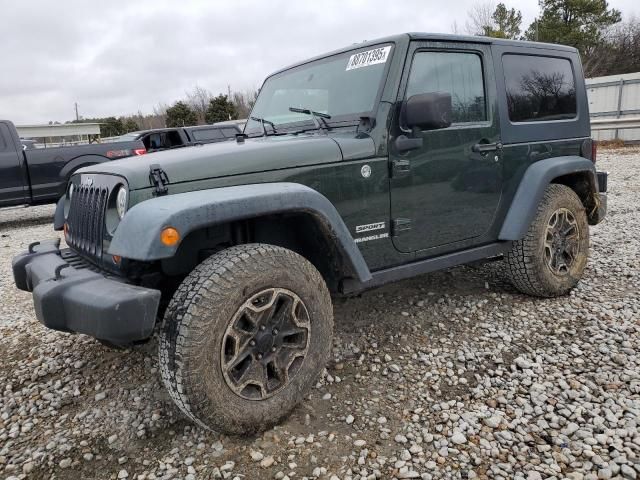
[[232, 158]]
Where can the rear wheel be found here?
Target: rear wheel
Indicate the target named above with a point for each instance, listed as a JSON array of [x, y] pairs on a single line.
[[245, 336], [550, 260]]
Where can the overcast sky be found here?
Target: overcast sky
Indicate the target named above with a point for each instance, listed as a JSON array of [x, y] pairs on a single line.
[[118, 57]]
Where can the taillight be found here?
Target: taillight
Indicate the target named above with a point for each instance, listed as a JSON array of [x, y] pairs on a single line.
[[594, 150], [126, 153], [117, 153]]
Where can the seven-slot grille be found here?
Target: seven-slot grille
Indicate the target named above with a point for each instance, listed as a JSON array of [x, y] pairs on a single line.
[[86, 219]]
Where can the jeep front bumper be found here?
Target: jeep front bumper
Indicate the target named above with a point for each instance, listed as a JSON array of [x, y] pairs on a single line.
[[70, 295]]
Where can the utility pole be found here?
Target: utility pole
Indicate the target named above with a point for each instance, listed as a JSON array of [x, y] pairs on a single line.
[[77, 116]]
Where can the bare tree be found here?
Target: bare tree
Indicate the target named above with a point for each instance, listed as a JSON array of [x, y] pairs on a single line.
[[243, 101], [617, 53], [480, 18], [198, 99], [159, 117]]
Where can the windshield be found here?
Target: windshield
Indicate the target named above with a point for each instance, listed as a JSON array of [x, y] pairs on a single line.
[[344, 86]]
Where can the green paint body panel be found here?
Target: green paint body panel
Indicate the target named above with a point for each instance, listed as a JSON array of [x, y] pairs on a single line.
[[453, 197]]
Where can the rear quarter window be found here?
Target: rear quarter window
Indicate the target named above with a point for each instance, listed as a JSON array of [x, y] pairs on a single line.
[[539, 88], [207, 134]]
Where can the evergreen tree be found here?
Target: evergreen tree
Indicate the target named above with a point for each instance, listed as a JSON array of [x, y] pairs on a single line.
[[110, 126], [506, 23], [181, 115], [578, 23], [220, 109], [129, 125]]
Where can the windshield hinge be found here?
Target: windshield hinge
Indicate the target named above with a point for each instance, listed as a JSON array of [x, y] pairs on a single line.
[[158, 178], [366, 124]]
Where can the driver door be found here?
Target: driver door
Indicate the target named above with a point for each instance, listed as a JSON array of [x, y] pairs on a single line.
[[446, 188]]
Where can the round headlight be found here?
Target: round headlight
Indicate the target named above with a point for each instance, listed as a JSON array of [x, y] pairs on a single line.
[[121, 202], [70, 193]]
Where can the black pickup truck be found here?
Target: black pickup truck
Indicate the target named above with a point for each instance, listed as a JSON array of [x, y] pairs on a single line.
[[37, 176], [174, 137]]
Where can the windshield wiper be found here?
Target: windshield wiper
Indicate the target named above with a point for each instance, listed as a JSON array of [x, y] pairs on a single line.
[[263, 122], [314, 116]]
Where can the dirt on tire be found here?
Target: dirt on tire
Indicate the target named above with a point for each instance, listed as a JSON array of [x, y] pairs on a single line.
[[191, 337], [525, 263]]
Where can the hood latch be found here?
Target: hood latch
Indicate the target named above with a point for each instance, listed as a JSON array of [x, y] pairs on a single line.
[[158, 179]]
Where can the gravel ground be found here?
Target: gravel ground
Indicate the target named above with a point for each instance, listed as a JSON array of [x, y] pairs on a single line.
[[450, 375]]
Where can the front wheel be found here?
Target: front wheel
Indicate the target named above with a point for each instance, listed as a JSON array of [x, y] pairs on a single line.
[[245, 336], [550, 260]]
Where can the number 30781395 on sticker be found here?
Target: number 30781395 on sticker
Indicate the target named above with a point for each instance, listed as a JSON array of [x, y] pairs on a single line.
[[370, 57]]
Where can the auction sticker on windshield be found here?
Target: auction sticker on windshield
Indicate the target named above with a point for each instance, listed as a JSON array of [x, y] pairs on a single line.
[[370, 57]]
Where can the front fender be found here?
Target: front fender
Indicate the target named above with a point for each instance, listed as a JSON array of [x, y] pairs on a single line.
[[138, 235], [531, 189]]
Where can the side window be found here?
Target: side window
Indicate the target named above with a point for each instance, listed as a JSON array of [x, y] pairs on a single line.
[[457, 73], [172, 139], [229, 132], [152, 141], [539, 88], [207, 134]]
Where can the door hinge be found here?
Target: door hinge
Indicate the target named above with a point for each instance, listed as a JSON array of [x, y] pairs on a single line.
[[400, 168], [158, 179], [400, 225]]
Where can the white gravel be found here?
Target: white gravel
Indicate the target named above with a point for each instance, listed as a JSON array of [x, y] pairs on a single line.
[[451, 375]]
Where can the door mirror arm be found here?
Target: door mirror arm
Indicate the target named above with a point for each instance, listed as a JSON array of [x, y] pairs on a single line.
[[405, 144]]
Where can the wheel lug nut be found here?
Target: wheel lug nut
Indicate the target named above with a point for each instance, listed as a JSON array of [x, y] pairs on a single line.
[[275, 331], [252, 343], [273, 349], [259, 356], [262, 327]]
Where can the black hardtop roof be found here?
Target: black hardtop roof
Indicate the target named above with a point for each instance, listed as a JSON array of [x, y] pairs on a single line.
[[443, 37]]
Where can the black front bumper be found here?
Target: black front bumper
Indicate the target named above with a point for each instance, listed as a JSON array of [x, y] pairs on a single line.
[[72, 296]]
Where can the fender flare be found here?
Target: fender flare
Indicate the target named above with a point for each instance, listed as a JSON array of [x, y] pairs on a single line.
[[531, 189], [138, 234]]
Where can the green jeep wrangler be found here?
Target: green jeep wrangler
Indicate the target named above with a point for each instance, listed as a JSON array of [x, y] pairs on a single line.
[[370, 164]]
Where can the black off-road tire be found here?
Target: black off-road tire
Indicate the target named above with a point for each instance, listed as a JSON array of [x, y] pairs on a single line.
[[526, 265], [192, 334]]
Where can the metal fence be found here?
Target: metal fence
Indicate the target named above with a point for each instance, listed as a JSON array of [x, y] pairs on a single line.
[[614, 106]]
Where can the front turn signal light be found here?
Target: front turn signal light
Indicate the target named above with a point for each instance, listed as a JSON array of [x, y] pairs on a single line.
[[169, 236]]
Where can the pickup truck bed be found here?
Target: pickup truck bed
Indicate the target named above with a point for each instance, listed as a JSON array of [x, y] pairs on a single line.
[[38, 176]]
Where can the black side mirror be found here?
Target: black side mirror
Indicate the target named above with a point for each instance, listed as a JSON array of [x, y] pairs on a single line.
[[428, 111]]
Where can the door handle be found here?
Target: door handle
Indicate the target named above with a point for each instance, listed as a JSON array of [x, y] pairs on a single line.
[[486, 147]]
